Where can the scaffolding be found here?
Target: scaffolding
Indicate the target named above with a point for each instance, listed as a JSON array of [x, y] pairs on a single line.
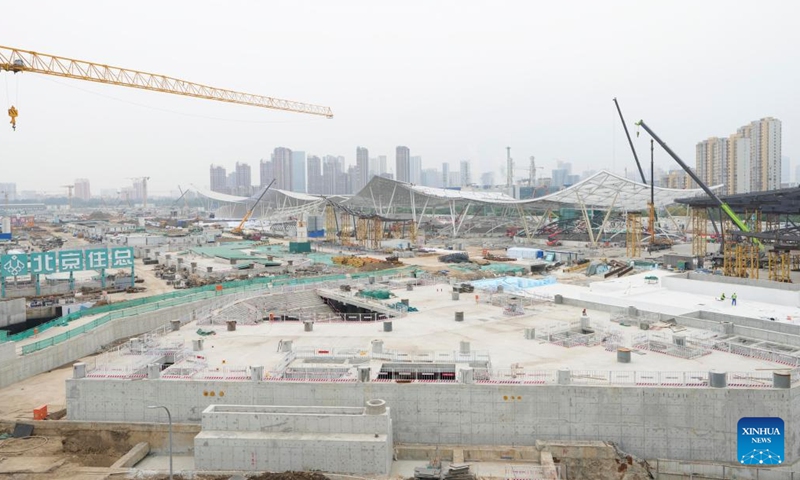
[[330, 223], [779, 265], [699, 232], [345, 228], [377, 233], [361, 231], [633, 237], [741, 260]]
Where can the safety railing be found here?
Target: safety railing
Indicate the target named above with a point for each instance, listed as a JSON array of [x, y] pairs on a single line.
[[151, 304]]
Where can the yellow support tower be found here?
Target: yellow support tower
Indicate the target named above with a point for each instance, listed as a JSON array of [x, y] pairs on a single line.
[[412, 232], [346, 229], [330, 223], [633, 237], [699, 232], [361, 231], [741, 260], [779, 266], [377, 233]]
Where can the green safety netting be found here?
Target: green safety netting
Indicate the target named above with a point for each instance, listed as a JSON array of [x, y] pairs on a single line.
[[130, 308], [376, 294]]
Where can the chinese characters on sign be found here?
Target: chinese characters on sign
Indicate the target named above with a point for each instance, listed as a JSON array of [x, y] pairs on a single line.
[[40, 263]]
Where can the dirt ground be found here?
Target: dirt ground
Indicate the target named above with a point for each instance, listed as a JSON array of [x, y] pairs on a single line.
[[263, 476]]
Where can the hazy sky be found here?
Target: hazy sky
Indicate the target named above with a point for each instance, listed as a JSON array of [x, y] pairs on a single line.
[[451, 80]]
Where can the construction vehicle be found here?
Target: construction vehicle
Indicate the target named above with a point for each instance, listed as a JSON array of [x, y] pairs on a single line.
[[722, 205], [16, 61], [238, 230]]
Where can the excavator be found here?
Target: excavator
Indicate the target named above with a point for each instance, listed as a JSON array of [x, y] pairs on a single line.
[[16, 60], [238, 229]]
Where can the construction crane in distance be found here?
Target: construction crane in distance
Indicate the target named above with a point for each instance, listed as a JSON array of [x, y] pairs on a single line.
[[238, 230], [16, 60], [722, 205], [630, 142], [143, 181], [69, 194]]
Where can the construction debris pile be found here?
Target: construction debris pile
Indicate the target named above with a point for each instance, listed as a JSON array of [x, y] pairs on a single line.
[[454, 471], [459, 257]]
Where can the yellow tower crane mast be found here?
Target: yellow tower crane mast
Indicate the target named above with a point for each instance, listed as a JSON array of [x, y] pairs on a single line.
[[16, 60]]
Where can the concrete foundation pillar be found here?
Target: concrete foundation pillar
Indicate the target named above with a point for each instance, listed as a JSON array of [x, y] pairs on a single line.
[[558, 299], [530, 333], [209, 269], [680, 340], [197, 345], [727, 328], [623, 355], [176, 325], [364, 374], [168, 259], [782, 379], [308, 326], [463, 347], [459, 316], [290, 262], [257, 373], [633, 312], [135, 344], [409, 287], [79, 370], [564, 376], [194, 267], [717, 379], [455, 295], [154, 371], [585, 324], [371, 280], [286, 346], [377, 346], [467, 375], [231, 325], [387, 326], [376, 407]]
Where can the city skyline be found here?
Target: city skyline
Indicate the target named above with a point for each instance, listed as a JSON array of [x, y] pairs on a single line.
[[434, 88]]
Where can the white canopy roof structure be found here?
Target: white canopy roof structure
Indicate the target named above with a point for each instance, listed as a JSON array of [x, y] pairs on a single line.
[[276, 204]]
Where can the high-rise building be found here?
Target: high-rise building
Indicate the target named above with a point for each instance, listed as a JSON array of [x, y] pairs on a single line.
[[560, 174], [431, 177], [82, 190], [333, 175], [315, 183], [711, 161], [445, 175], [487, 179], [299, 172], [786, 170], [454, 180], [362, 166], [466, 173], [266, 172], [748, 161], [403, 164], [244, 183], [282, 165], [383, 167], [219, 179], [415, 170], [10, 189]]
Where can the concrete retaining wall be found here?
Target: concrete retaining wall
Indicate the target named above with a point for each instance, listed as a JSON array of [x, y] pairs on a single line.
[[66, 352], [12, 312], [678, 423], [267, 438], [8, 352]]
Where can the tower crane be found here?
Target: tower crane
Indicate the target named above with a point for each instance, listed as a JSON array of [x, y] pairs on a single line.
[[69, 194], [143, 181], [17, 60]]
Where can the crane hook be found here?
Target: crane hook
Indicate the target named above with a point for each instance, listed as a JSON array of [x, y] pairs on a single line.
[[13, 113]]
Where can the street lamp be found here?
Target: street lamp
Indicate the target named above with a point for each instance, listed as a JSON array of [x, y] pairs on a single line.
[[169, 419]]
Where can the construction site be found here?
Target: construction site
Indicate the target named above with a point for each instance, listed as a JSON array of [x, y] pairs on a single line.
[[612, 329]]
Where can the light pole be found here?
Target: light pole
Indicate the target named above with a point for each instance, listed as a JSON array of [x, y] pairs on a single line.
[[169, 419]]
